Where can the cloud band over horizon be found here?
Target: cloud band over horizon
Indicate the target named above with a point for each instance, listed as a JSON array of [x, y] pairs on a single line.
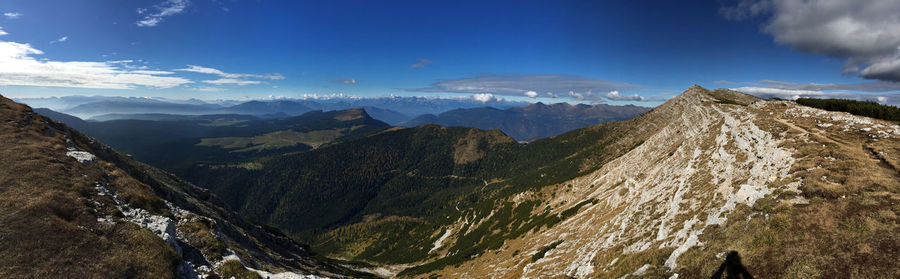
[[531, 86]]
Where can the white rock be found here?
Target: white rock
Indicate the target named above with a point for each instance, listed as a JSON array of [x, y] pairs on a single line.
[[82, 157]]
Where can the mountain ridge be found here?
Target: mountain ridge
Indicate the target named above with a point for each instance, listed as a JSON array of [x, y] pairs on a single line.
[[664, 193], [531, 122], [724, 173], [120, 218]]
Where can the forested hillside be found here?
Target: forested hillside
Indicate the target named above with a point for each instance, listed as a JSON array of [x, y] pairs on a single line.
[[411, 180], [868, 108], [172, 143], [534, 121]]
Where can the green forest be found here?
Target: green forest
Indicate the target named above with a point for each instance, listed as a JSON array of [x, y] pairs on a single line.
[[861, 108], [403, 185]]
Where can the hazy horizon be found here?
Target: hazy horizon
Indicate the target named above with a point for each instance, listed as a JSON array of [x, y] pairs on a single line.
[[576, 52]]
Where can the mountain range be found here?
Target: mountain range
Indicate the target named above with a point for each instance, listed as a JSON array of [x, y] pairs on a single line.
[[72, 207], [393, 110], [172, 141], [798, 192], [666, 194], [533, 121]]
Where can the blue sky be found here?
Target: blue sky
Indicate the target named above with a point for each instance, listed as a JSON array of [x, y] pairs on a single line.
[[639, 52]]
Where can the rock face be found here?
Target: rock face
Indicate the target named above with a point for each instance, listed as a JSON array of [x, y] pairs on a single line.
[[82, 157], [719, 171]]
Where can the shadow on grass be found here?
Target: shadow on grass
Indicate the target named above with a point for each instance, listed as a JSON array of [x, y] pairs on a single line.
[[732, 267]]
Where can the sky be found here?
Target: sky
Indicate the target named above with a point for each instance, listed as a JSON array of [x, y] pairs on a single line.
[[617, 52]]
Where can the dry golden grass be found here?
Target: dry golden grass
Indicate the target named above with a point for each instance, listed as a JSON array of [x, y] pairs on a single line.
[[235, 269], [200, 233], [50, 228], [50, 205], [849, 229]]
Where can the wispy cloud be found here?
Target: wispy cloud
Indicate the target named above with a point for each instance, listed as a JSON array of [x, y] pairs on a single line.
[[12, 15], [878, 91], [161, 11], [793, 94], [870, 87], [554, 86], [60, 40], [213, 71], [3, 33], [232, 81], [207, 89], [231, 78], [421, 64], [344, 80], [864, 32], [18, 66]]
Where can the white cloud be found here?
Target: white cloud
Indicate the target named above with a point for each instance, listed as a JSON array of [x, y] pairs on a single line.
[[421, 64], [486, 98], [518, 85], [212, 71], [551, 95], [865, 32], [577, 96], [18, 66], [60, 40], [615, 96], [2, 33], [12, 15], [162, 10], [872, 86], [531, 94], [777, 92], [793, 94], [232, 81], [230, 78]]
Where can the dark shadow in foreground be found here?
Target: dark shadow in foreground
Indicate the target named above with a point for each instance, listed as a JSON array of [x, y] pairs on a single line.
[[732, 267]]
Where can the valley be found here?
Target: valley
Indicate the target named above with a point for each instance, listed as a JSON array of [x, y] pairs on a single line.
[[209, 139], [74, 207], [661, 194]]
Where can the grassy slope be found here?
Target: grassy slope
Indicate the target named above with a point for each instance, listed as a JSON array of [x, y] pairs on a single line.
[[849, 228], [48, 229], [50, 220]]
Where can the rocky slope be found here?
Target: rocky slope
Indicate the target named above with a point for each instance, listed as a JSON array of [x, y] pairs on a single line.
[[798, 192], [73, 207]]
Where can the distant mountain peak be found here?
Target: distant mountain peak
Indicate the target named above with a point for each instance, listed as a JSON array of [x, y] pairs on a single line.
[[537, 120], [351, 114]]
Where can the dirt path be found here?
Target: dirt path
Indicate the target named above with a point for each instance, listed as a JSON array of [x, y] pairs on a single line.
[[801, 129]]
